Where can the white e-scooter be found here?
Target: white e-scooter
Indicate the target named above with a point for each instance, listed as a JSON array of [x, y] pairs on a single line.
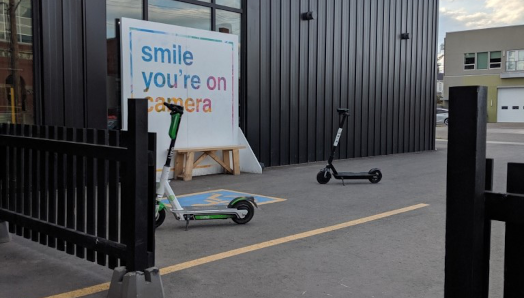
[[240, 209]]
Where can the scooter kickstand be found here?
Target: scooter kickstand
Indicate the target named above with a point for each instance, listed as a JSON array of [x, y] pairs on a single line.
[[187, 223], [344, 184]]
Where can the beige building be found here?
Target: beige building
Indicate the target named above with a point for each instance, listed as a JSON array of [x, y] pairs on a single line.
[[491, 57]]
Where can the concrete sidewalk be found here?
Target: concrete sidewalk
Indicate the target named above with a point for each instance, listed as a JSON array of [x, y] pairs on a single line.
[[320, 241]]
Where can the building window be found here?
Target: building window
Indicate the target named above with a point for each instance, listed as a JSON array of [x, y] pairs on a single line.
[[469, 61], [180, 14], [230, 3], [16, 75], [515, 60], [495, 59], [482, 60]]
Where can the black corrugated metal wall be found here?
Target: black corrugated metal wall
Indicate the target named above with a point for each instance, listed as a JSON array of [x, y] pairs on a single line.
[[70, 62], [351, 55]]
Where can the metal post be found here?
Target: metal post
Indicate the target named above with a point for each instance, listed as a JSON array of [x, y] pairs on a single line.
[[514, 246], [137, 184], [136, 279], [466, 268], [4, 232]]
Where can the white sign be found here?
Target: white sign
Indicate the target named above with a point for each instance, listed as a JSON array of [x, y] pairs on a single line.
[[193, 68]]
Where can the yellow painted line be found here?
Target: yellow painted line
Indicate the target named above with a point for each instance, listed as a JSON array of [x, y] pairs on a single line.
[[83, 292], [224, 255]]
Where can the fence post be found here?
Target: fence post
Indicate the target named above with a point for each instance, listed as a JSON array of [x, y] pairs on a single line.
[[514, 246], [466, 264], [4, 232], [137, 175], [136, 279]]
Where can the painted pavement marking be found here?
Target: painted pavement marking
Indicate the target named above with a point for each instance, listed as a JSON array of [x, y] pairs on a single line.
[[220, 197], [235, 252]]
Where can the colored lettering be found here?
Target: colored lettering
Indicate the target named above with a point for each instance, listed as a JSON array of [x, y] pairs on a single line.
[[167, 55], [147, 81], [147, 57], [195, 82], [190, 104]]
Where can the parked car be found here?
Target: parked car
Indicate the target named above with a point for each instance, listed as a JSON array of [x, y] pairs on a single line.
[[442, 116]]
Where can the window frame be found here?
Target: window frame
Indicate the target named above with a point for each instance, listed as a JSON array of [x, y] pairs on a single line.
[[474, 64], [490, 63], [516, 61]]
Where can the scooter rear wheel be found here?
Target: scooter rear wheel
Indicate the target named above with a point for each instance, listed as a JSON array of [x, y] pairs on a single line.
[[244, 205], [161, 216], [323, 176], [377, 176]]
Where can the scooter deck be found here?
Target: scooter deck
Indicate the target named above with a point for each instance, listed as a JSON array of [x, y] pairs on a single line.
[[205, 208], [351, 175]]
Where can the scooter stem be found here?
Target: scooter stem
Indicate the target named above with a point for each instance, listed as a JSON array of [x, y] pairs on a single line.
[[339, 133]]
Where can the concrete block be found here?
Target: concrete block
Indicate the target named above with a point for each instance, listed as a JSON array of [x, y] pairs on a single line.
[[4, 232], [136, 284]]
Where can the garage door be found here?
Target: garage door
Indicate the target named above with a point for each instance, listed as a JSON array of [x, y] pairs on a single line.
[[511, 105]]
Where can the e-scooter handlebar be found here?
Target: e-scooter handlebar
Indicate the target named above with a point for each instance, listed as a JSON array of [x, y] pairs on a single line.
[[342, 111], [174, 108]]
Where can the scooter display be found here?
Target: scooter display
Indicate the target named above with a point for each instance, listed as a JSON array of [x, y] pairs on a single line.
[[240, 209], [374, 175]]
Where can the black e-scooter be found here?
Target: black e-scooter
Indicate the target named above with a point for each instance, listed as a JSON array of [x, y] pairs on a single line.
[[374, 175]]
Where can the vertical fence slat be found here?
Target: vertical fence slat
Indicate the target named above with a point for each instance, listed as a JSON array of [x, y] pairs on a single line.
[[151, 195], [19, 179], [488, 186], [71, 189], [44, 182], [4, 200], [514, 246], [80, 191], [114, 197], [52, 198], [91, 193], [36, 178], [27, 180], [12, 177], [61, 192], [101, 196], [124, 193]]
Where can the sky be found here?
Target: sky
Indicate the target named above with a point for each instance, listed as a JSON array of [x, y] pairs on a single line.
[[461, 15]]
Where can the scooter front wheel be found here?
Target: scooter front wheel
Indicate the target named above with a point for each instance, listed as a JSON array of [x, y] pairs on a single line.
[[323, 176], [377, 176], [244, 205], [160, 217]]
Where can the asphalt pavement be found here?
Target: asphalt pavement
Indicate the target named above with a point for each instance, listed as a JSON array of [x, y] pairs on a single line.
[[357, 240]]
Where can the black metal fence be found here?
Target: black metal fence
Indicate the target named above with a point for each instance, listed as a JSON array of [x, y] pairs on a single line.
[[87, 192], [471, 204]]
